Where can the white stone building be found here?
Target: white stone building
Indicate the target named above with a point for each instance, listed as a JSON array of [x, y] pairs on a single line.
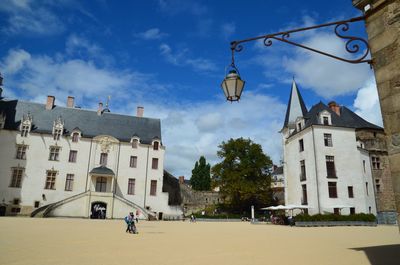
[[67, 161], [325, 167]]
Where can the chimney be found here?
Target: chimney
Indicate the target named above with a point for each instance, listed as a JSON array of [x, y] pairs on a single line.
[[50, 102], [334, 107], [70, 102], [139, 111], [100, 109], [181, 179]]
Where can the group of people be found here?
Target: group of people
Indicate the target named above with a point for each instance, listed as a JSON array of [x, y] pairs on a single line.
[[130, 222]]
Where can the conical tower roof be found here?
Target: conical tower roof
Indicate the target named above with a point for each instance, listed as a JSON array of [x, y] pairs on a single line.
[[296, 107]]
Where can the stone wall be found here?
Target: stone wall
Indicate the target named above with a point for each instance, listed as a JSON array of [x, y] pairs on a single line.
[[383, 28], [375, 142], [195, 201]]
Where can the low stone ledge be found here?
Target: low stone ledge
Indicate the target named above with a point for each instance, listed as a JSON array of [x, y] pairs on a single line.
[[335, 223]]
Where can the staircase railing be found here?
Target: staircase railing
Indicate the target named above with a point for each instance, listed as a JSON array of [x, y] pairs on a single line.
[[59, 203]]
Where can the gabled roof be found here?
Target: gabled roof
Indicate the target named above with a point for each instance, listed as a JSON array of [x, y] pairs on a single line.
[[89, 123], [296, 106], [347, 118]]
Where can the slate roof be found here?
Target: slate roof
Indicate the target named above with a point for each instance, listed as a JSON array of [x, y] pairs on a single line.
[[102, 170], [290, 103], [347, 118], [122, 127]]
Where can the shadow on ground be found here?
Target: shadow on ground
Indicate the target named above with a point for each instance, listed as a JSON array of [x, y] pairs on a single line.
[[382, 255]]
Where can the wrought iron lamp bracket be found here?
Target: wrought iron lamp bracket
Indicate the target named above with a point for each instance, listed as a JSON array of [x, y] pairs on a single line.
[[352, 44]]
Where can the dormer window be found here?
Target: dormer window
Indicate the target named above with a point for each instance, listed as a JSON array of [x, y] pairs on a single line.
[[325, 118], [25, 128], [135, 141], [75, 137], [26, 125], [57, 134], [155, 145], [58, 128], [300, 123], [299, 126]]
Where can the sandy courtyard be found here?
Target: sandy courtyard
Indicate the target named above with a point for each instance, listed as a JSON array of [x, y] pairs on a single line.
[[79, 241]]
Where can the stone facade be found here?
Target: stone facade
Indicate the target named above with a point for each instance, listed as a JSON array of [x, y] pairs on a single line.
[[375, 142], [383, 28], [195, 201]]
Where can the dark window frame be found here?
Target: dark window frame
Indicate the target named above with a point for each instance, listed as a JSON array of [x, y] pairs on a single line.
[[101, 184], [328, 139], [303, 171], [154, 163], [301, 145], [69, 182], [73, 154], [330, 167], [153, 188], [332, 189], [16, 177], [51, 176], [350, 191], [133, 162], [131, 186]]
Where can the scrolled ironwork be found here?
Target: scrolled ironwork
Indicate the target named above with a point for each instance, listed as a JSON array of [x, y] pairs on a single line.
[[352, 44]]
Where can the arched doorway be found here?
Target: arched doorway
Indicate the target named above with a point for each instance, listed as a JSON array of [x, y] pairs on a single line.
[[98, 210], [3, 210]]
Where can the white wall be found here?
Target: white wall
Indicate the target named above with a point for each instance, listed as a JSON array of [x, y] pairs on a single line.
[[349, 170]]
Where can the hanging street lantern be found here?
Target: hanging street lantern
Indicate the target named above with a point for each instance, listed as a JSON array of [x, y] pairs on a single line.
[[232, 85]]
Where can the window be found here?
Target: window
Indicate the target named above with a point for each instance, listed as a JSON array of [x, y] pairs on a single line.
[[301, 145], [350, 191], [133, 161], [364, 165], [154, 163], [299, 126], [330, 167], [378, 185], [366, 187], [16, 201], [103, 159], [155, 145], [75, 137], [369, 209], [302, 170], [21, 152], [332, 189], [16, 178], [325, 120], [54, 153], [101, 184], [57, 134], [352, 210], [69, 182], [328, 139], [72, 156], [131, 186], [50, 180], [376, 162], [304, 200], [153, 188], [25, 130], [135, 143], [15, 210], [36, 204], [336, 211]]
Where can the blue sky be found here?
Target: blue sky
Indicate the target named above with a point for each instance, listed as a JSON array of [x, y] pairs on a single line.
[[170, 56]]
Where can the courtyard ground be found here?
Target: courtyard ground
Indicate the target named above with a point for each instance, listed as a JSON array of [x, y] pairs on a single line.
[[37, 241]]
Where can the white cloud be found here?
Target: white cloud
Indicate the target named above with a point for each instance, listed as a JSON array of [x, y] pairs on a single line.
[[326, 76], [192, 130], [182, 58], [28, 17], [228, 29], [37, 76], [367, 104], [151, 34]]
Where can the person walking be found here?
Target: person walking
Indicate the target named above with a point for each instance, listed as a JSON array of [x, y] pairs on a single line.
[[129, 221]]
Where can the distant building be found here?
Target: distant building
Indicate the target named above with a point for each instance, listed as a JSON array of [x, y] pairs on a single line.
[[327, 163], [67, 161]]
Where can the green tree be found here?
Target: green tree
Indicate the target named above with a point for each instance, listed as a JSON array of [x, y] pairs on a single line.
[[201, 179], [243, 176]]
